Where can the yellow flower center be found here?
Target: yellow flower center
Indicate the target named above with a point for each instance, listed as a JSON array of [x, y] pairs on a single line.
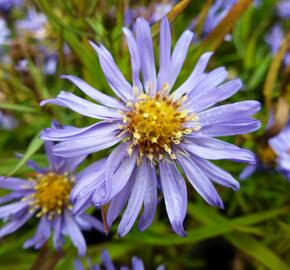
[[52, 193], [155, 123]]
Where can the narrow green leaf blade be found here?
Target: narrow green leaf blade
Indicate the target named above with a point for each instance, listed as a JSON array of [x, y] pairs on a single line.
[[35, 144]]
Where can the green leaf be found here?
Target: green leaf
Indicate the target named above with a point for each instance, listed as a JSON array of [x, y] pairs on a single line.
[[217, 225], [256, 250], [38, 79], [35, 144], [259, 73], [72, 37], [16, 107], [243, 241]]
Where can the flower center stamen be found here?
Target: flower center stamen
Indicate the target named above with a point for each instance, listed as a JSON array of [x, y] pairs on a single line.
[[155, 123], [52, 192]]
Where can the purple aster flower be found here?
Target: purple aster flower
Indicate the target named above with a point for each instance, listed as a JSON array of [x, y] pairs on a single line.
[[46, 196], [4, 32], [47, 61], [158, 132], [250, 169], [281, 146], [216, 13], [152, 14], [34, 24], [7, 5], [50, 65], [107, 263], [274, 39], [283, 9], [7, 121]]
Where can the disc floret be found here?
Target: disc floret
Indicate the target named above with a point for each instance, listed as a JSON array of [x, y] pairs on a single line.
[[52, 192], [155, 123]]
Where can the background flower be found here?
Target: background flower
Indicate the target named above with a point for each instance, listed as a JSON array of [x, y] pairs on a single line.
[[283, 8], [137, 264], [46, 196], [281, 146]]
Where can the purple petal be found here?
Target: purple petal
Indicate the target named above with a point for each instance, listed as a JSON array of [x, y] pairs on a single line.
[[137, 264], [81, 204], [12, 196], [164, 52], [73, 163], [89, 179], [113, 74], [55, 162], [215, 173], [91, 169], [229, 129], [70, 132], [229, 112], [106, 260], [281, 143], [284, 166], [248, 171], [58, 240], [31, 164], [284, 9], [94, 93], [214, 149], [178, 56], [118, 202], [150, 200], [75, 234], [78, 265], [119, 168], [211, 95], [200, 182], [145, 46], [230, 119], [15, 224], [41, 236], [134, 58], [88, 222], [34, 166], [194, 77], [86, 145], [136, 198], [13, 183], [175, 195], [13, 208], [82, 106]]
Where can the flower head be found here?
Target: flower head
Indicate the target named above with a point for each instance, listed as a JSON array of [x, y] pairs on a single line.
[[4, 32], [216, 13], [46, 195], [152, 14], [281, 146], [274, 39], [158, 131], [7, 121], [7, 5], [283, 8], [107, 263], [34, 24]]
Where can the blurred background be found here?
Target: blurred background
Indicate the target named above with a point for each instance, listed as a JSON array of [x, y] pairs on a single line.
[[42, 39]]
